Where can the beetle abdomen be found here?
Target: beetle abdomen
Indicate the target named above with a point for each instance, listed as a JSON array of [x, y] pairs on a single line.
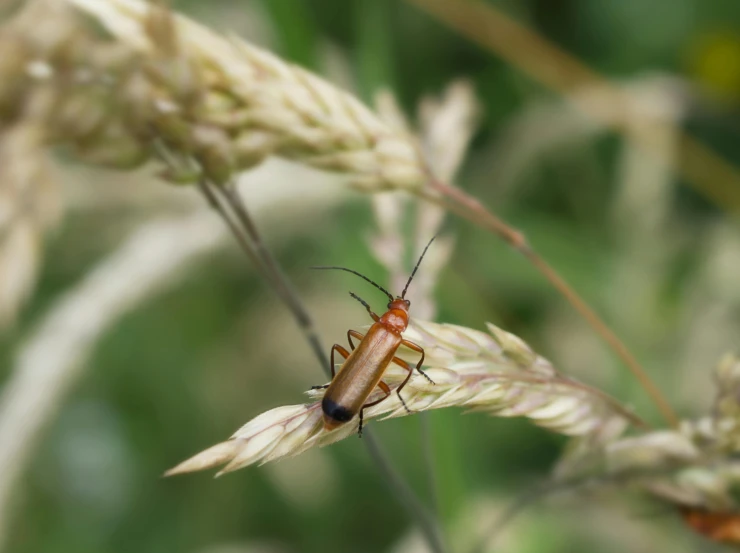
[[334, 414]]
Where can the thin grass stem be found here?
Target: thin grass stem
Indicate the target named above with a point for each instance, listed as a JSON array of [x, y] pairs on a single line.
[[427, 450], [426, 520], [241, 224], [276, 276]]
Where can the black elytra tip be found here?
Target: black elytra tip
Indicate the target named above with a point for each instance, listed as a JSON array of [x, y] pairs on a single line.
[[335, 411]]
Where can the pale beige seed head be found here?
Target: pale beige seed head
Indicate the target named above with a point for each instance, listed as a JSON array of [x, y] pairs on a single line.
[[471, 369], [234, 87]]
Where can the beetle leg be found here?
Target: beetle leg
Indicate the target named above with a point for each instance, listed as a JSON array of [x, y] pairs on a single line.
[[383, 386], [402, 363], [350, 334], [417, 347], [344, 353], [367, 306]]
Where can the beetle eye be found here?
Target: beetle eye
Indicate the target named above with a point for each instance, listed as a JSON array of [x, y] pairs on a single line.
[[389, 305]]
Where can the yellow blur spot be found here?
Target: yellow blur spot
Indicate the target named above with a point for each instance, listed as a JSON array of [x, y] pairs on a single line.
[[714, 61]]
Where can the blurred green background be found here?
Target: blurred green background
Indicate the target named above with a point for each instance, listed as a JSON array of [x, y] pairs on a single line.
[[182, 372]]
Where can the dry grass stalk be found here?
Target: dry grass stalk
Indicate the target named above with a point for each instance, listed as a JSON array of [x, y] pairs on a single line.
[[495, 373]]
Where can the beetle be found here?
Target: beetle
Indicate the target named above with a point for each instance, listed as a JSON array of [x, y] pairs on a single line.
[[363, 368]]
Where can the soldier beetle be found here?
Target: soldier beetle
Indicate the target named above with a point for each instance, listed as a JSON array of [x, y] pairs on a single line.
[[362, 371]]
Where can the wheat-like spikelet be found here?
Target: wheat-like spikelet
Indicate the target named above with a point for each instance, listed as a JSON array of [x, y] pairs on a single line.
[[668, 464], [229, 104], [710, 476], [161, 86], [495, 373], [672, 467], [695, 466]]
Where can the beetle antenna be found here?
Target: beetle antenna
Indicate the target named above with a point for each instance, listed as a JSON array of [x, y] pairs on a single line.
[[363, 302], [403, 295], [378, 286]]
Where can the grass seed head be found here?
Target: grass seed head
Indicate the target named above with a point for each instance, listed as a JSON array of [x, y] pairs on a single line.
[[470, 369]]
